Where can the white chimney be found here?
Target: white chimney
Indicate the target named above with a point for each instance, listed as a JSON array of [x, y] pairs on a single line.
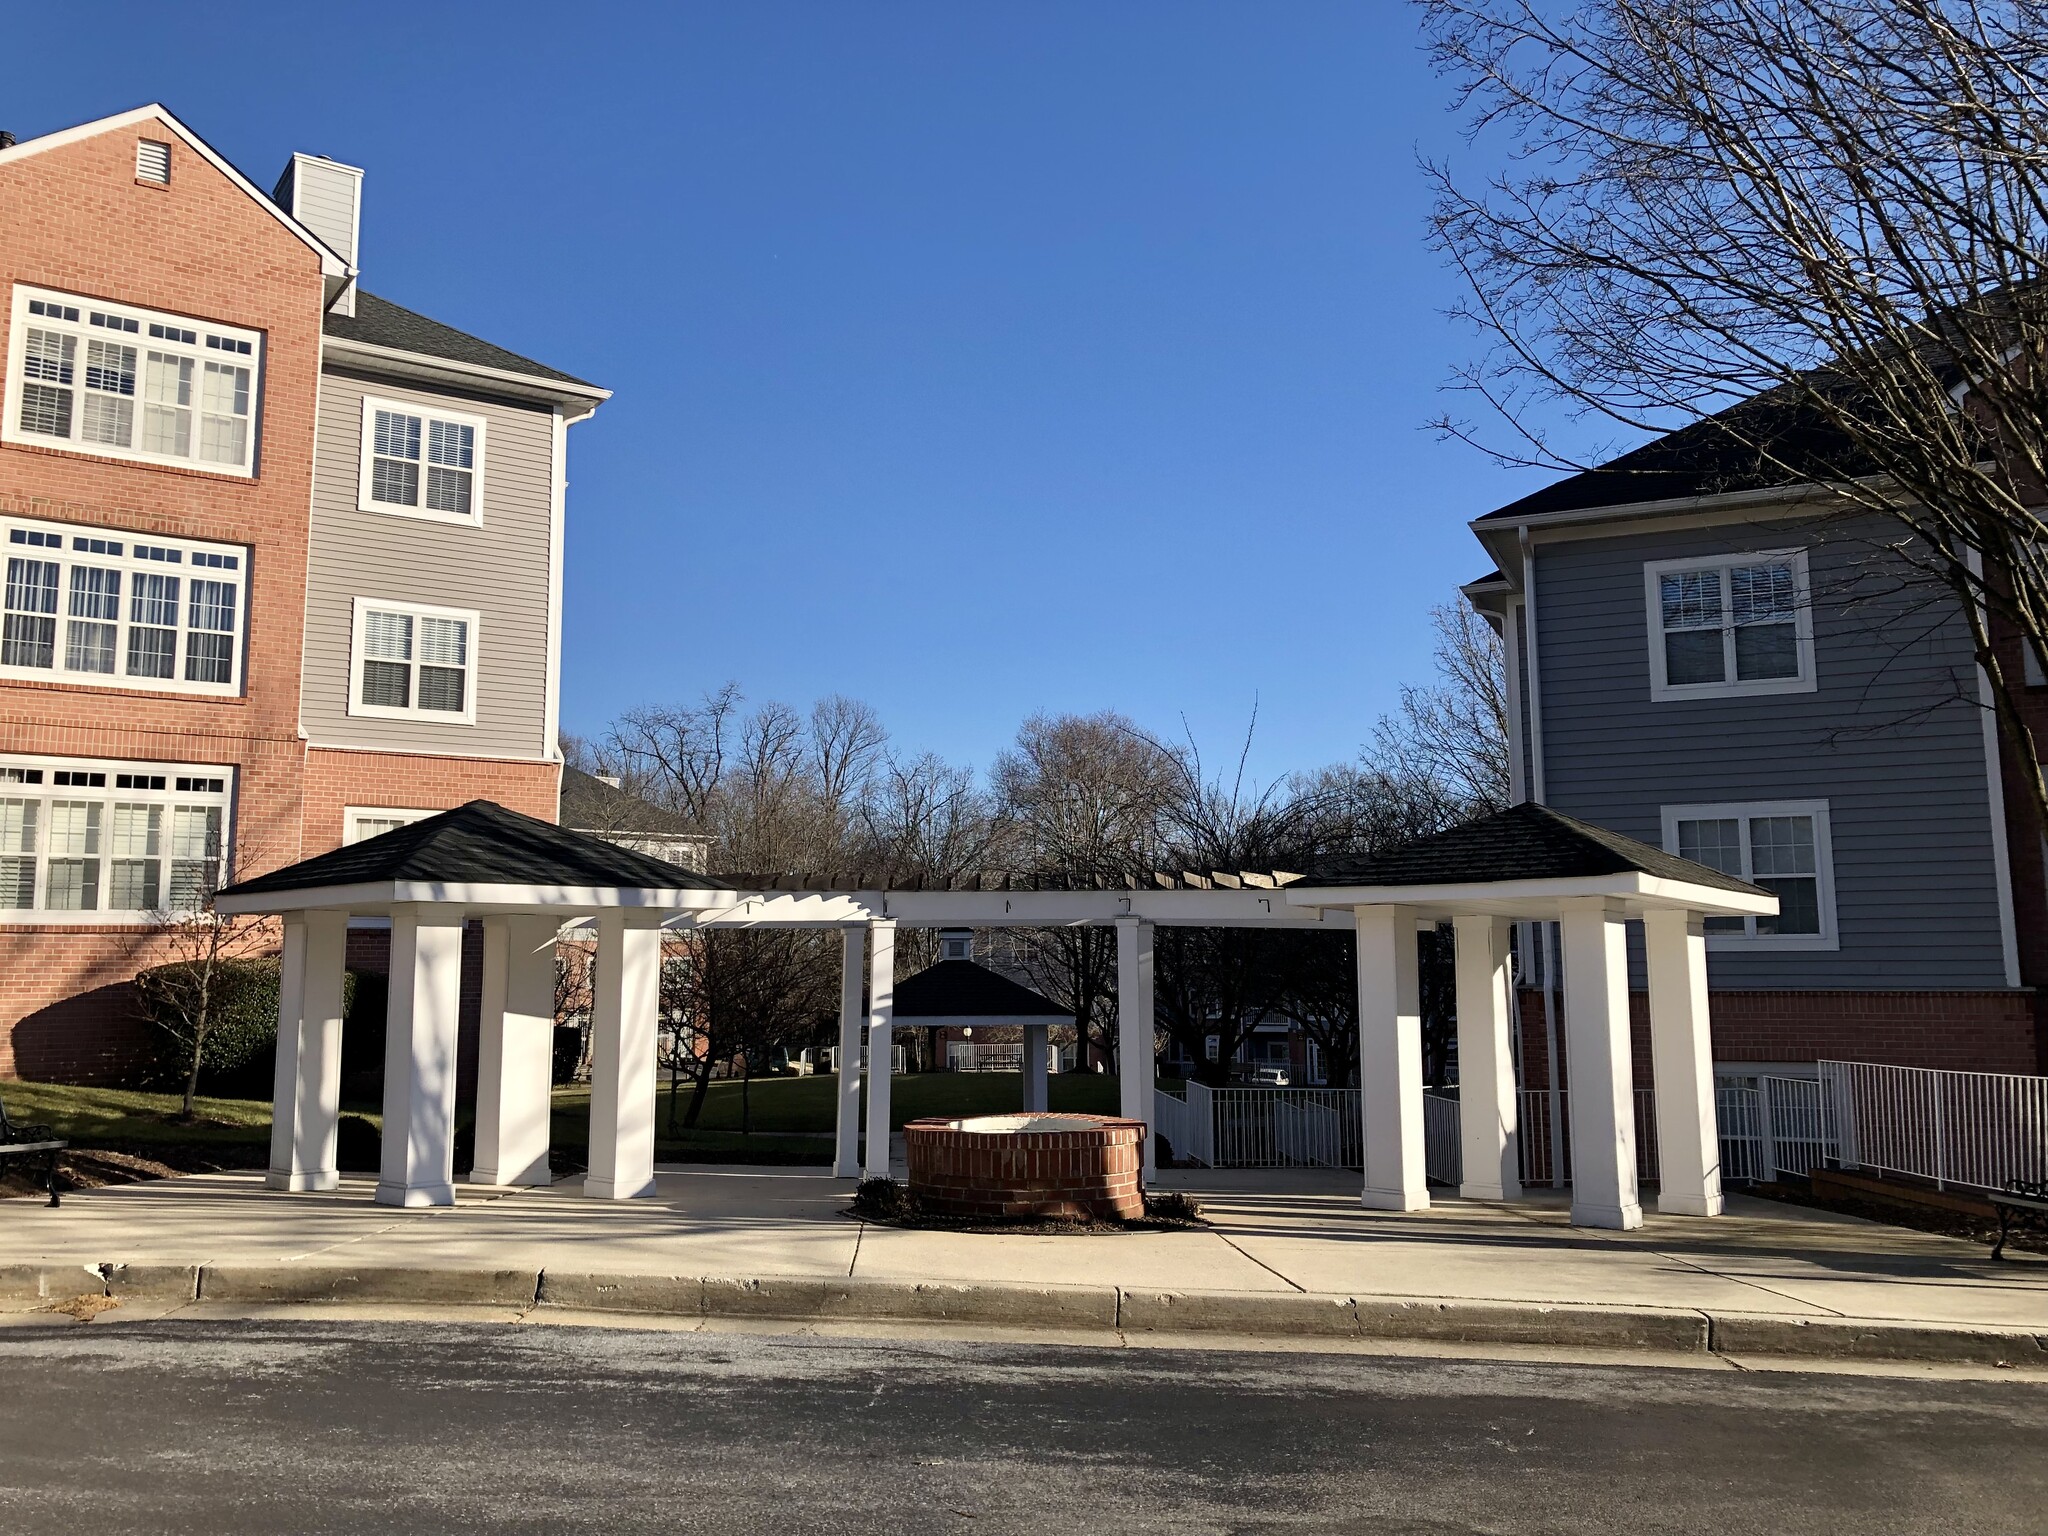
[[327, 197]]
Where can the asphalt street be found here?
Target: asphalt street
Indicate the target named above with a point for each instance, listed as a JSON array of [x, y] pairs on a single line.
[[319, 1426]]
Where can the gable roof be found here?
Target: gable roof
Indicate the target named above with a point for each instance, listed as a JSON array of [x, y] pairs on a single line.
[[590, 804], [381, 323], [480, 843], [964, 989], [1524, 842], [1707, 458], [332, 263]]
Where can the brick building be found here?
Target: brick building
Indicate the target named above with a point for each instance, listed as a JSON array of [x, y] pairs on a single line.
[[283, 558]]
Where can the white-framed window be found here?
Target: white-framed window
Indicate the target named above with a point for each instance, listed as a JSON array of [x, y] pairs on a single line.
[[83, 840], [125, 382], [421, 461], [413, 662], [1783, 846], [359, 823], [1730, 624], [121, 610]]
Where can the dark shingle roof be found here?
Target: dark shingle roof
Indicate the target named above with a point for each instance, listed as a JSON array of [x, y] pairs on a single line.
[[1524, 842], [589, 804], [1708, 458], [381, 323], [482, 844], [957, 989]]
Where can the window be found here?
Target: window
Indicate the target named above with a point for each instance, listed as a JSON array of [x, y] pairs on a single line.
[[413, 662], [130, 383], [1730, 625], [81, 840], [153, 162], [360, 823], [1783, 847], [421, 462], [99, 607]]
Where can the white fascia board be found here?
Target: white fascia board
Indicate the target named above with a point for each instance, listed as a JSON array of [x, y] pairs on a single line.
[[331, 261], [1248, 908], [578, 400], [1538, 899], [372, 898]]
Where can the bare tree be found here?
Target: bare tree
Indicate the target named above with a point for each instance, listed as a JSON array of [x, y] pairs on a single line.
[[1453, 732], [1817, 225]]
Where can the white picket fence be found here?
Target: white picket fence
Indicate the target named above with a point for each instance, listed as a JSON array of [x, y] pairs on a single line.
[[898, 1059], [987, 1056], [1969, 1128]]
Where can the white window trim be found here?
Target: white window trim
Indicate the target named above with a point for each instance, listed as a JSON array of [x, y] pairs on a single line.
[[1662, 691], [352, 815], [17, 347], [367, 453], [48, 789], [356, 707], [119, 680], [1829, 937]]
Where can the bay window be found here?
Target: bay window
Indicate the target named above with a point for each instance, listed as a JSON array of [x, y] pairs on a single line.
[[102, 606], [83, 840], [81, 368]]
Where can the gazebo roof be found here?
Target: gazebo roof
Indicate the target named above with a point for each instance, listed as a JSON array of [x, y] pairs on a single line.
[[476, 846], [963, 989], [1524, 842]]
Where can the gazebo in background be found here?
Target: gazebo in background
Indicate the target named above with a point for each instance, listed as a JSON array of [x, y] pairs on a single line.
[[960, 993]]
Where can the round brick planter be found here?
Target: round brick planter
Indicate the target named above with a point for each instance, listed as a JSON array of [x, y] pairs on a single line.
[[1076, 1166]]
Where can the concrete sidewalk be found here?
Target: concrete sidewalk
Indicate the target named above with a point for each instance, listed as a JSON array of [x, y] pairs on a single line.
[[1289, 1255]]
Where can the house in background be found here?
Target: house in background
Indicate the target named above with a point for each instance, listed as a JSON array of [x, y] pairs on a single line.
[[1733, 668], [595, 803], [283, 558]]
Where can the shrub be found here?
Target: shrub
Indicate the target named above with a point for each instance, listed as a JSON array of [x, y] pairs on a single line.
[[1173, 1205], [358, 1148], [884, 1200], [239, 1054]]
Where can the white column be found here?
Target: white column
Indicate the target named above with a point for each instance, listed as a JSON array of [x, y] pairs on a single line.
[[515, 1051], [1598, 1066], [1487, 1105], [1137, 1067], [1037, 1037], [625, 1019], [881, 1040], [420, 1027], [1390, 1059], [286, 1131], [1682, 1056], [853, 940]]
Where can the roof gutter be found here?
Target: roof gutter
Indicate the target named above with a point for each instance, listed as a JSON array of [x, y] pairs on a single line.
[[577, 400]]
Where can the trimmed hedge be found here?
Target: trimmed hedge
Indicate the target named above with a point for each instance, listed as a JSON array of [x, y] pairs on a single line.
[[241, 1048]]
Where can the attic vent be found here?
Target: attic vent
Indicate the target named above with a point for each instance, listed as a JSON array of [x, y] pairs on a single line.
[[153, 162]]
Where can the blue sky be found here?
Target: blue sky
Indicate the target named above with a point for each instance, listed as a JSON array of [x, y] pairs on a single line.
[[972, 360]]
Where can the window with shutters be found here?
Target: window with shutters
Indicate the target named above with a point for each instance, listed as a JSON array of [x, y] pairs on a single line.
[[98, 606], [421, 461], [1730, 624], [83, 840], [130, 383], [413, 663], [1785, 847]]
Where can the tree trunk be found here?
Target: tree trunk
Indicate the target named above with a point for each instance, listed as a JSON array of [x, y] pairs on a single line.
[[702, 1091], [746, 1093]]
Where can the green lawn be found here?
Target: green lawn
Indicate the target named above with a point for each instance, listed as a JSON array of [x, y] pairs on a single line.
[[121, 1118]]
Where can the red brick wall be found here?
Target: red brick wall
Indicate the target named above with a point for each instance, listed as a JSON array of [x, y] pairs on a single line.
[[1959, 1031], [337, 779]]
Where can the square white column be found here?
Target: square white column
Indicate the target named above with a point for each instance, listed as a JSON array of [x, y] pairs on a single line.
[[1682, 1056], [1137, 1066], [1599, 1066], [625, 1019], [420, 1027], [853, 940], [1487, 1103], [1390, 1059], [515, 1052], [308, 1088], [881, 1041], [1037, 1038]]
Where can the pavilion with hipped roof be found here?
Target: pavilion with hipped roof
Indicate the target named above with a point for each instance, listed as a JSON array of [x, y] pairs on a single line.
[[959, 992], [525, 879]]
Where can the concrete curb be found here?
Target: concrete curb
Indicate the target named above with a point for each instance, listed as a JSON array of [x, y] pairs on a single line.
[[1250, 1315]]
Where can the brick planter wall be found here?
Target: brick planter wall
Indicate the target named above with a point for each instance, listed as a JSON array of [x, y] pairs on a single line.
[[1095, 1170]]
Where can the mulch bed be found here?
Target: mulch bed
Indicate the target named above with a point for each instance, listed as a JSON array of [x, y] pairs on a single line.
[[96, 1167], [2029, 1231], [895, 1206]]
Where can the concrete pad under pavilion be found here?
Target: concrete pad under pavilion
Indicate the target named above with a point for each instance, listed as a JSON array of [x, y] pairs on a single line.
[[525, 879]]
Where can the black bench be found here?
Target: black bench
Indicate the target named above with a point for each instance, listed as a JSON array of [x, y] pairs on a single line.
[[18, 1140], [2018, 1195]]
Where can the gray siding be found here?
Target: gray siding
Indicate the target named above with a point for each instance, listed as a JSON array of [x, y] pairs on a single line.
[[499, 569], [326, 204], [1891, 739]]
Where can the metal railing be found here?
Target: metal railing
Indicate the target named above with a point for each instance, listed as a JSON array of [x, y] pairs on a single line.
[[992, 1056], [1976, 1129]]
